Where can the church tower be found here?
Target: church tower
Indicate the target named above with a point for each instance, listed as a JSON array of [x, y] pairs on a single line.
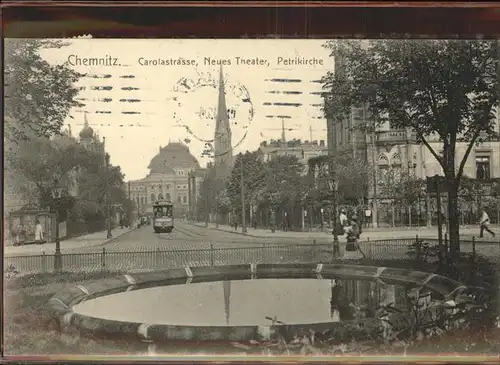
[[223, 150], [87, 134]]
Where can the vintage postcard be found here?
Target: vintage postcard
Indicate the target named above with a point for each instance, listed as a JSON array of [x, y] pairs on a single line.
[[270, 197]]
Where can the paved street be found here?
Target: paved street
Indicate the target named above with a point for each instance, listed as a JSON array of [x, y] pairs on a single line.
[[188, 236], [194, 245], [368, 233], [89, 241]]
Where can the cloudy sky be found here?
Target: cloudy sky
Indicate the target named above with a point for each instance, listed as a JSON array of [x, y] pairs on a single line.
[[139, 97]]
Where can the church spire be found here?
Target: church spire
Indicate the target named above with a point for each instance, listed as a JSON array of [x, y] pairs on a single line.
[[85, 120], [283, 137], [223, 153], [222, 115]]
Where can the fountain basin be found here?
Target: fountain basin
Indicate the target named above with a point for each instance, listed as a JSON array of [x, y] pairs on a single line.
[[193, 303]]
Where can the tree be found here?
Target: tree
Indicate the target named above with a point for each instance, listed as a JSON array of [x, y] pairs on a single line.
[[254, 180], [284, 179], [443, 88], [353, 174], [38, 95], [39, 161], [97, 180], [284, 187], [402, 188]]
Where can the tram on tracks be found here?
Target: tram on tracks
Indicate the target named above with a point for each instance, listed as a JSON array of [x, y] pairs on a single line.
[[163, 216]]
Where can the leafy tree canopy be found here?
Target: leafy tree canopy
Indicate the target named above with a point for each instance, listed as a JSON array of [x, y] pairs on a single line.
[[443, 88], [446, 88], [254, 178], [38, 95]]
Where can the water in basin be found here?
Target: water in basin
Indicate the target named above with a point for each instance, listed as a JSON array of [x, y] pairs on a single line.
[[242, 302]]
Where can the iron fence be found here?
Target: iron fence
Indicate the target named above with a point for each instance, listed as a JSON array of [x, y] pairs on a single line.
[[156, 259]]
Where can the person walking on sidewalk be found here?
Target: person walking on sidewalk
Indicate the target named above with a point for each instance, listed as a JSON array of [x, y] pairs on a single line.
[[343, 220], [38, 232], [484, 224], [353, 232], [368, 217]]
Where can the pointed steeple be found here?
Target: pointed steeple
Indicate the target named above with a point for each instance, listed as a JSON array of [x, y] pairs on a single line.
[[222, 115], [283, 138], [223, 153]]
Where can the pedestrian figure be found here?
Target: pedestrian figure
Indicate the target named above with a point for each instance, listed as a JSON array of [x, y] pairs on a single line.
[[353, 233], [38, 232], [235, 225], [344, 221], [368, 216], [484, 224], [444, 225]]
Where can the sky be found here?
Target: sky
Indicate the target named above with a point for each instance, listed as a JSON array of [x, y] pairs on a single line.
[[139, 100]]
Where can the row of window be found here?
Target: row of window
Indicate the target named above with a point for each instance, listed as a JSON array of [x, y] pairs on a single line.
[[154, 186], [483, 167], [144, 200]]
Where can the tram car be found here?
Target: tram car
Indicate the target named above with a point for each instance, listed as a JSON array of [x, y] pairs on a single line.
[[163, 217]]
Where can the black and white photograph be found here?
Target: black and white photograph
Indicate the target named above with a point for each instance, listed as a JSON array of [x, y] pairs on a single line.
[[298, 198]]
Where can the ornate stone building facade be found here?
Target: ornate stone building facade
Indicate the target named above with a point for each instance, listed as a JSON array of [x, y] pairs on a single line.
[[388, 148], [168, 178]]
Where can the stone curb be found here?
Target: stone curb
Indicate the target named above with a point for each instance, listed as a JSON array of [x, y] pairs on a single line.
[[61, 305], [114, 238], [252, 235], [70, 249]]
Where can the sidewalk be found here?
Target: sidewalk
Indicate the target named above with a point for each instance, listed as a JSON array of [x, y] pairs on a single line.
[[88, 240], [368, 233]]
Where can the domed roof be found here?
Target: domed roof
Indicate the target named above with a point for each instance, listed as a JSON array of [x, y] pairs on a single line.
[[174, 155], [86, 132]]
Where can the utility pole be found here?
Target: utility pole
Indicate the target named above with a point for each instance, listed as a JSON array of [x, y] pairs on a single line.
[[375, 169], [190, 193], [217, 209], [205, 188], [243, 208], [106, 198], [334, 190], [132, 208]]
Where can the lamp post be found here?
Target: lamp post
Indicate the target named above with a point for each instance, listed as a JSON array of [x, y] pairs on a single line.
[[334, 187], [242, 188], [106, 199], [411, 175], [57, 191]]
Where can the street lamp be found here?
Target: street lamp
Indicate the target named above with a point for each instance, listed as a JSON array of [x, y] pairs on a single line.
[[57, 191], [334, 187]]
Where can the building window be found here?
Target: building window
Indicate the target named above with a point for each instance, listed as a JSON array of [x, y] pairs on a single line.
[[178, 199], [160, 196], [142, 200], [184, 199], [153, 197], [167, 197], [482, 167]]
